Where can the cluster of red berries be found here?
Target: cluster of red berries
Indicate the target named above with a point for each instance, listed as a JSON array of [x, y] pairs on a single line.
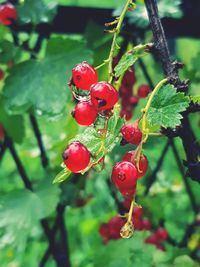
[[111, 229], [126, 172], [7, 14], [157, 238], [101, 98]]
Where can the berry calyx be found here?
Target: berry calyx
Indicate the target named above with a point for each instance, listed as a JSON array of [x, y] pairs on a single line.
[[84, 113], [161, 234], [131, 133], [76, 157], [143, 162], [84, 75], [7, 14], [124, 176], [143, 91], [1, 74], [103, 95]]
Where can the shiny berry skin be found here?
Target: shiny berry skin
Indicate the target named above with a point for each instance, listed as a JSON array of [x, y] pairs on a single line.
[[146, 224], [131, 133], [103, 95], [84, 75], [1, 74], [7, 14], [76, 157], [143, 91], [143, 163], [124, 176], [84, 113], [161, 234]]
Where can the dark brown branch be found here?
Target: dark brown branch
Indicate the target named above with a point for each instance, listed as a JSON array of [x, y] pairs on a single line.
[[171, 71], [151, 179]]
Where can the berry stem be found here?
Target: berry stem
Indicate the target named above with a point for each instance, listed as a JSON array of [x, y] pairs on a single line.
[[131, 210], [145, 110], [114, 44]]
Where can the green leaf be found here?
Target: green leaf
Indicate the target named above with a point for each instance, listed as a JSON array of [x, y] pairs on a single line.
[[41, 84], [62, 176], [8, 51], [195, 99], [36, 11], [128, 59], [166, 107], [13, 124], [184, 261]]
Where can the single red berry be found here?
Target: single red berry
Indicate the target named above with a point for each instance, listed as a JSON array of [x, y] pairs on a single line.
[[2, 133], [131, 133], [84, 113], [152, 239], [146, 224], [125, 92], [124, 176], [76, 157], [127, 114], [161, 233], [115, 225], [129, 78], [138, 225], [1, 74], [137, 213], [103, 95], [143, 91], [84, 75], [134, 100], [104, 230], [7, 14]]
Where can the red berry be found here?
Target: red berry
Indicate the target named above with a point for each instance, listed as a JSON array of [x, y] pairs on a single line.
[[138, 225], [104, 230], [115, 225], [84, 113], [1, 74], [161, 234], [125, 92], [2, 133], [131, 133], [76, 157], [143, 91], [103, 95], [127, 114], [124, 176], [134, 100], [126, 203], [146, 224], [160, 247], [7, 14], [129, 78], [84, 75], [128, 193], [137, 213], [152, 239]]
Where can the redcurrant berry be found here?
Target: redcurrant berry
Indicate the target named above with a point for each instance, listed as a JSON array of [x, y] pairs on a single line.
[[1, 74], [84, 113], [146, 224], [84, 75], [128, 193], [2, 133], [143, 91], [104, 230], [134, 100], [129, 78], [143, 163], [161, 233], [124, 176], [7, 14], [103, 95], [115, 225], [127, 114], [76, 157], [152, 239], [131, 133], [137, 213]]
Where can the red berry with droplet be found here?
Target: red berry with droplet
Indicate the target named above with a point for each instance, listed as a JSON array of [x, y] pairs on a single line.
[[84, 113], [103, 95], [161, 233], [143, 91], [131, 133], [124, 176], [7, 14], [84, 75], [1, 74], [76, 157], [143, 163]]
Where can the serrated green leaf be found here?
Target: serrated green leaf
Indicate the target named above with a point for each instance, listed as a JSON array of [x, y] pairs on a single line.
[[41, 84], [36, 11], [128, 59], [166, 107], [62, 176], [195, 99]]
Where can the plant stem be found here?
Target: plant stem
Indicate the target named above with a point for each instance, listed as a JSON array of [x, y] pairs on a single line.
[[145, 110], [113, 45]]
